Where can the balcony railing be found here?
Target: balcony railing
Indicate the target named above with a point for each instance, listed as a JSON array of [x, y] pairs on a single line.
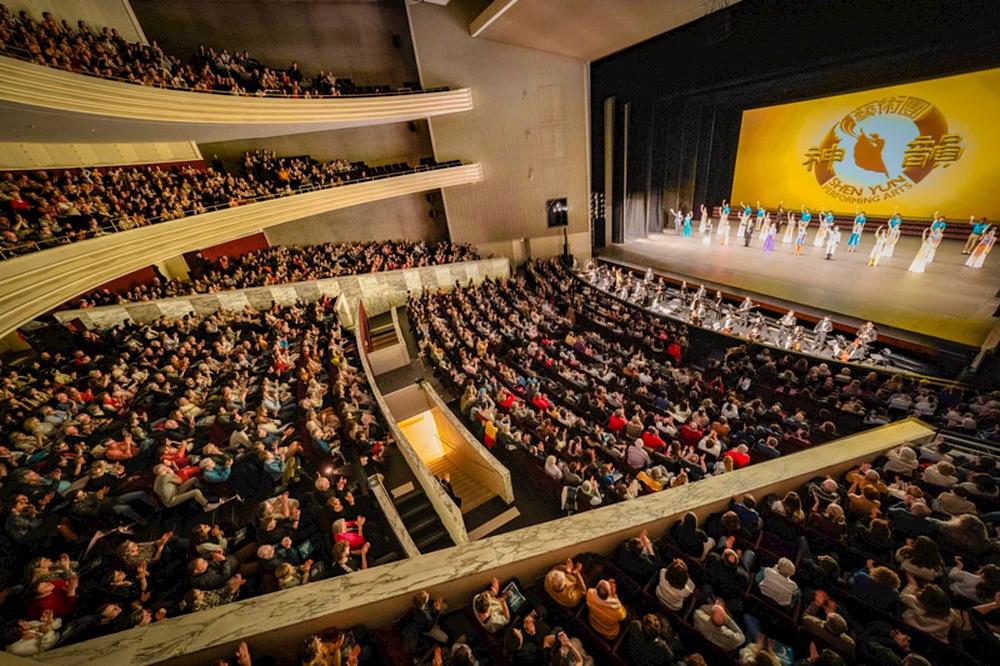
[[114, 225]]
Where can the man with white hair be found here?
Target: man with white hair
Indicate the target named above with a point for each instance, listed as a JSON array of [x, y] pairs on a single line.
[[715, 624], [777, 585]]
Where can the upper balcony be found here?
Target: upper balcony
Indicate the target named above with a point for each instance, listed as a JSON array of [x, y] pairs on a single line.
[[35, 283], [44, 104]]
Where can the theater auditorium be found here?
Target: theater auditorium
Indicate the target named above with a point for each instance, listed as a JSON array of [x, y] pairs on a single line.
[[499, 332]]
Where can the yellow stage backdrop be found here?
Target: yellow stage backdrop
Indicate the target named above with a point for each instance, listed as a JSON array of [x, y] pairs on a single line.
[[918, 147]]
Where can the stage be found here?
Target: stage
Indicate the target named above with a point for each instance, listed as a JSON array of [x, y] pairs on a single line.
[[948, 301]]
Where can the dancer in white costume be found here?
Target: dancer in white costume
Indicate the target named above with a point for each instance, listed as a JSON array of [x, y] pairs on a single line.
[[892, 235], [703, 221], [744, 220], [790, 230], [879, 247], [723, 231], [832, 241], [935, 237], [920, 261], [825, 222], [706, 233], [986, 243]]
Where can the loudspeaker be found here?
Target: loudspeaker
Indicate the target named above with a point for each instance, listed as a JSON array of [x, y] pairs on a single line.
[[556, 211]]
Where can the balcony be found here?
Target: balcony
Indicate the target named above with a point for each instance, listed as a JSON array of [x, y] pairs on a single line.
[[43, 104], [33, 284]]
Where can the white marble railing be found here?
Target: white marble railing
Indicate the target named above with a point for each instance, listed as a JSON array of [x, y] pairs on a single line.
[[55, 101], [392, 517], [36, 283], [444, 506], [282, 620], [474, 459], [379, 291]]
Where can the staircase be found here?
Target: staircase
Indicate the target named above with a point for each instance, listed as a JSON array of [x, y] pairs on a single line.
[[422, 522], [471, 493]]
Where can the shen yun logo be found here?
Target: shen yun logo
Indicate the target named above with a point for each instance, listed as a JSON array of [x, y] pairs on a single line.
[[882, 149]]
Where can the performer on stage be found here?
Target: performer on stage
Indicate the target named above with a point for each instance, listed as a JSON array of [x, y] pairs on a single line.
[[986, 243], [747, 210], [706, 233], [832, 241], [742, 226], [747, 230], [935, 237], [920, 261], [687, 225], [975, 233], [760, 214], [678, 220], [892, 235], [807, 216], [770, 231], [823, 327], [859, 228], [879, 248], [704, 220], [723, 231], [825, 222], [790, 229], [724, 212], [800, 236]]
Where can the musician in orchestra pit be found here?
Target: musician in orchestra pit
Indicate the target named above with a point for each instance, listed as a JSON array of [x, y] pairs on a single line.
[[866, 335], [743, 312], [823, 328], [786, 322]]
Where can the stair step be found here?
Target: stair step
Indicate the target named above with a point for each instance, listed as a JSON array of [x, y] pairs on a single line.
[[435, 542], [416, 511], [410, 497], [416, 527]]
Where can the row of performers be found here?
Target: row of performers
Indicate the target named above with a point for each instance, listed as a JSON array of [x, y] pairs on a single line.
[[740, 321], [981, 239]]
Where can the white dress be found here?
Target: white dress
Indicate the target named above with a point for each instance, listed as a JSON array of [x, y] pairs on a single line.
[[706, 235], [789, 229], [890, 243], [978, 256], [920, 261], [824, 227], [877, 251]]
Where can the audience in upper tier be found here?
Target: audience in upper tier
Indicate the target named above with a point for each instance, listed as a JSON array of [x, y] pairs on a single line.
[[105, 53], [280, 265], [611, 403], [176, 466], [42, 208]]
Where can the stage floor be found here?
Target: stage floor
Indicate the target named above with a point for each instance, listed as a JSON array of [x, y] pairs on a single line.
[[948, 301]]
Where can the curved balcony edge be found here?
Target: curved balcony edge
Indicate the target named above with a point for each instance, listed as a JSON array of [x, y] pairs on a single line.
[[33, 284], [35, 91]]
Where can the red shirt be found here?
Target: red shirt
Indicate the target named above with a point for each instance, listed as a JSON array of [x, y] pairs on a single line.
[[689, 435], [616, 423], [652, 440], [60, 603], [540, 402], [740, 459], [506, 403]]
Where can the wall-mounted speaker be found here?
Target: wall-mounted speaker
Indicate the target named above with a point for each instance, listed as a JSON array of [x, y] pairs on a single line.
[[556, 211]]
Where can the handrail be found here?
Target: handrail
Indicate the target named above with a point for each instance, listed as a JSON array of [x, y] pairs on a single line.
[[8, 252], [392, 516], [24, 55]]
